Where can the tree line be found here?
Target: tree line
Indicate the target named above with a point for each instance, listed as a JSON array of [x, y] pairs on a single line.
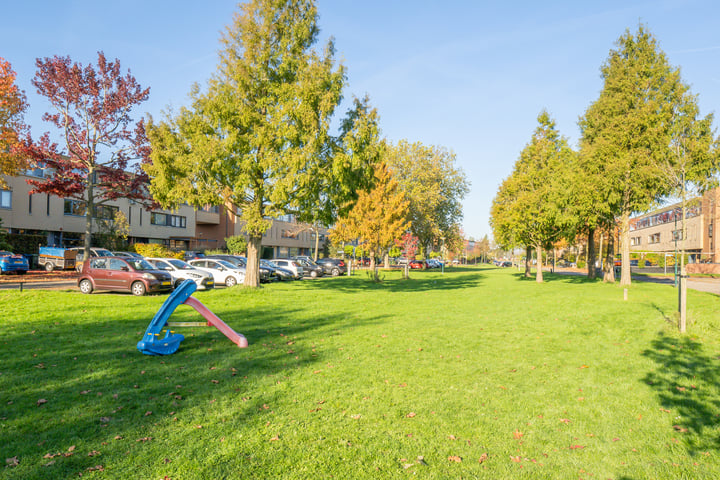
[[642, 141], [256, 139]]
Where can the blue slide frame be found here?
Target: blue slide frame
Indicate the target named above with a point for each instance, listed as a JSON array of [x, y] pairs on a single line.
[[151, 343]]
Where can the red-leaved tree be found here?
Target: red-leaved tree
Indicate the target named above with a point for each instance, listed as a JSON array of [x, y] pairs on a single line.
[[12, 107], [103, 147], [409, 245]]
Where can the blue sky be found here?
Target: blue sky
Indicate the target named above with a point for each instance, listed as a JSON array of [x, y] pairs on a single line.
[[471, 76]]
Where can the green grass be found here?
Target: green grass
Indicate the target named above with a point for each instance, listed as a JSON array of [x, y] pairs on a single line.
[[349, 379]]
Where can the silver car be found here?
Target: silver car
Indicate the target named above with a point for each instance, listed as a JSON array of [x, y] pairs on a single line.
[[290, 264], [181, 271]]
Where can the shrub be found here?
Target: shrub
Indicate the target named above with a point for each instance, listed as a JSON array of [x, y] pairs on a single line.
[[157, 250], [236, 244]]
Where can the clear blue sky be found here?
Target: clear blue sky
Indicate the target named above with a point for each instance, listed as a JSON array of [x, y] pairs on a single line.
[[471, 76]]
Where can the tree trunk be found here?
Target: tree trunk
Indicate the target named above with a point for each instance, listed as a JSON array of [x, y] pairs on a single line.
[[252, 269], [386, 259], [539, 274], [317, 243], [625, 248], [600, 251], [528, 254], [683, 274], [591, 254], [609, 268]]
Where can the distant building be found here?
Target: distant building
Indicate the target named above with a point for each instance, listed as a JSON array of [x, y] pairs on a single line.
[[61, 221], [661, 231]]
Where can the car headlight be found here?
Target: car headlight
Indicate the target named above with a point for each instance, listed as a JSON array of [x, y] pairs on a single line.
[[149, 276]]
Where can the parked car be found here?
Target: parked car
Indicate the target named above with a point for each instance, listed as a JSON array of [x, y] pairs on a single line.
[[191, 255], [266, 274], [418, 264], [310, 268], [433, 263], [181, 271], [281, 274], [127, 254], [51, 258], [506, 264], [332, 266], [94, 252], [124, 275], [222, 271], [290, 264], [10, 262]]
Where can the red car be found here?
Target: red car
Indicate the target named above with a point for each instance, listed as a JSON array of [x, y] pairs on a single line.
[[418, 264], [123, 274]]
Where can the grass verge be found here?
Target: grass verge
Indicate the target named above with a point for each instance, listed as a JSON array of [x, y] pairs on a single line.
[[476, 373]]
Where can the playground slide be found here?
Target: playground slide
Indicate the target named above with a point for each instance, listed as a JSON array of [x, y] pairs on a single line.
[[152, 344]]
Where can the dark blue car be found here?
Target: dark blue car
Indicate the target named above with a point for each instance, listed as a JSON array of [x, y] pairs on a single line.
[[9, 262]]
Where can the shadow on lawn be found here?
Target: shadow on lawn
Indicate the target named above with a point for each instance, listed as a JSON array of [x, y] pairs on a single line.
[[574, 278], [96, 386], [686, 381], [418, 281]]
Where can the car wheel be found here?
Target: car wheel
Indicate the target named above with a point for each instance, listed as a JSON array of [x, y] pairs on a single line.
[[49, 266], [86, 286], [335, 272], [138, 289], [313, 274], [230, 281]]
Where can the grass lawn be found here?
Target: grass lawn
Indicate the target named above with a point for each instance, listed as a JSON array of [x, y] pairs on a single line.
[[476, 373]]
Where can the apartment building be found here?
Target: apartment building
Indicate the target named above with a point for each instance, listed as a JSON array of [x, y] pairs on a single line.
[[661, 231], [62, 222]]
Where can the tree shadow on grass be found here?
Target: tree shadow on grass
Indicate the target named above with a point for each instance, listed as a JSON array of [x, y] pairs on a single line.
[[686, 381], [84, 383], [549, 277], [419, 281]]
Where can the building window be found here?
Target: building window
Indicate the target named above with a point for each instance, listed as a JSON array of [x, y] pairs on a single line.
[[654, 238], [634, 241], [5, 199], [677, 235], [29, 203], [47, 206], [74, 207], [710, 230], [106, 212], [167, 220], [211, 208]]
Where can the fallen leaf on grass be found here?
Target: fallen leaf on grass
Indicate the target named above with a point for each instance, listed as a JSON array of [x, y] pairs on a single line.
[[517, 434], [455, 458], [482, 458], [98, 468], [215, 381], [147, 414], [41, 402], [144, 439], [680, 429], [12, 462], [452, 437], [85, 392], [71, 448], [516, 459], [576, 447], [93, 453], [51, 462], [410, 415], [565, 420], [275, 438]]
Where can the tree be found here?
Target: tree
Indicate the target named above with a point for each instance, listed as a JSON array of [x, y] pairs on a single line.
[[529, 208], [237, 244], [690, 167], [433, 184], [627, 129], [12, 107], [102, 144], [258, 139], [409, 245], [378, 218]]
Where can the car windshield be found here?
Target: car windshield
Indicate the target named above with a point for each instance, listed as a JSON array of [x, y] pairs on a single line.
[[139, 264], [101, 252], [225, 264], [269, 263], [4, 253], [179, 264]]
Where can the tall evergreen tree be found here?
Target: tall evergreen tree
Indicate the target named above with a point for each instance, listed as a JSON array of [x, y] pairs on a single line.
[[258, 140], [627, 130], [530, 206]]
